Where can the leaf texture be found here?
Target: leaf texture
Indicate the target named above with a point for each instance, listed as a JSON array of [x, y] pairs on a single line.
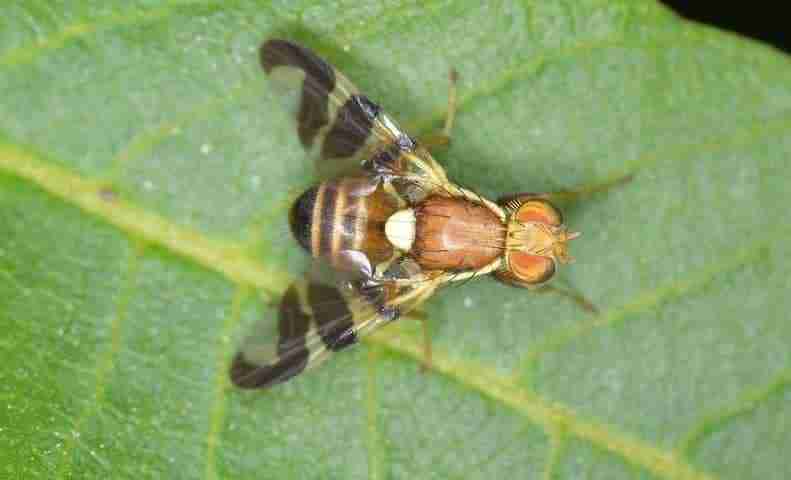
[[145, 172]]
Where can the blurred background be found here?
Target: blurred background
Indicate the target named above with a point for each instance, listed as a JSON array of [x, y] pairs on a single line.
[[763, 20]]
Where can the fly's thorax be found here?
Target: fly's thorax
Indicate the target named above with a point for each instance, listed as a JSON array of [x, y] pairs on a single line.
[[536, 242], [448, 233]]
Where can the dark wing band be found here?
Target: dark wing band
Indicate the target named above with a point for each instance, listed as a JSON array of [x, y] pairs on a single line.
[[316, 320], [338, 125]]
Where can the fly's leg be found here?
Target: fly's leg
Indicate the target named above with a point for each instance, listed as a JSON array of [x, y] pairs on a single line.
[[423, 319], [442, 139], [576, 194], [575, 297]]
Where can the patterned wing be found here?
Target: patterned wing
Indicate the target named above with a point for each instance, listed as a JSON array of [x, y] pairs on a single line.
[[340, 126], [317, 319]]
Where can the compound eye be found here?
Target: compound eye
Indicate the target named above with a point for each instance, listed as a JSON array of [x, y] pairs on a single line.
[[539, 211], [530, 269]]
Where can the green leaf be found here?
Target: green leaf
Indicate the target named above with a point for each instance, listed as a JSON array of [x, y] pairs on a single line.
[[145, 171]]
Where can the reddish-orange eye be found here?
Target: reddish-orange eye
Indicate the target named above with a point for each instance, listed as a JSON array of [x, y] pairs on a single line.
[[538, 211], [532, 269]]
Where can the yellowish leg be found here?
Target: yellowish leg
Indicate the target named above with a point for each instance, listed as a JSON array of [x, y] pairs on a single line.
[[585, 191], [423, 319], [442, 139], [453, 78], [575, 297]]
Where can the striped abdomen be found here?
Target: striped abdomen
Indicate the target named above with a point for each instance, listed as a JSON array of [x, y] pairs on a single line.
[[345, 214]]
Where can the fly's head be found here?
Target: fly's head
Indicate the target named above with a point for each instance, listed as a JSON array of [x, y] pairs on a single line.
[[536, 241]]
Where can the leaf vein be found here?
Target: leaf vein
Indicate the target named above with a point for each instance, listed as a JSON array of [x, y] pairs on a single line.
[[557, 447], [91, 196], [104, 365], [145, 140], [374, 446], [27, 53], [547, 413], [650, 299], [217, 409], [749, 401]]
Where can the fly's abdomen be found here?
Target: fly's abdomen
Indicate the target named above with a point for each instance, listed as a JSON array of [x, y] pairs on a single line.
[[342, 215]]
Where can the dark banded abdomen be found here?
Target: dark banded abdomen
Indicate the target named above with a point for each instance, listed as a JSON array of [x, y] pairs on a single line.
[[344, 214]]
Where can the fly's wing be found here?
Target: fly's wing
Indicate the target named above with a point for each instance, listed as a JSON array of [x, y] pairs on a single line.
[[342, 128], [316, 319]]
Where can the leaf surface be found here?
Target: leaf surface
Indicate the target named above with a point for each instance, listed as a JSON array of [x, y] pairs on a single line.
[[145, 172]]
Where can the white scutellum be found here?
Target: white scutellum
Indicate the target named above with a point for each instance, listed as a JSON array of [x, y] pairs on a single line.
[[400, 229]]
